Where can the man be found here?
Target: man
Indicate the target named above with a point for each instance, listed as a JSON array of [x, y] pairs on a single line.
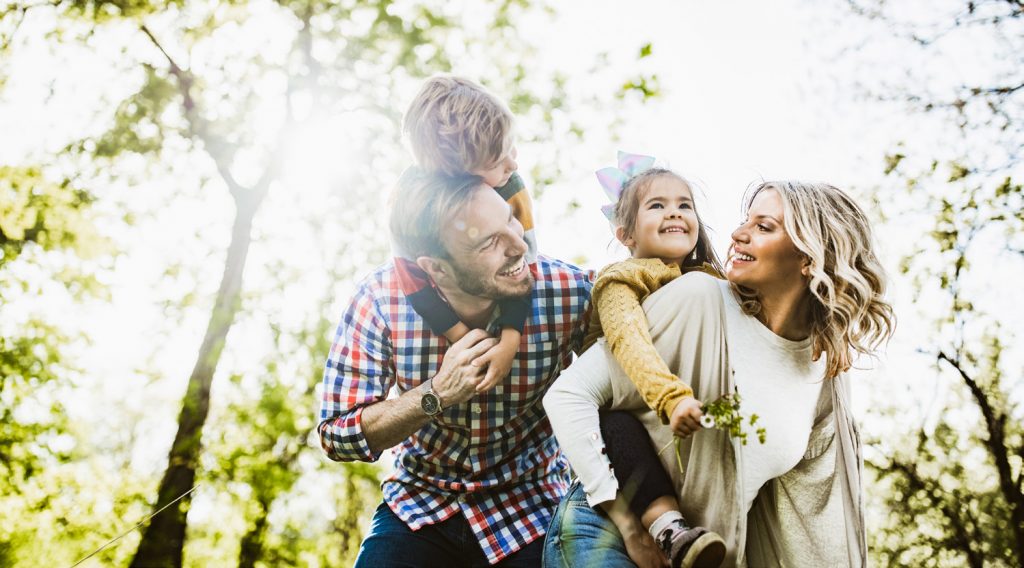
[[477, 471]]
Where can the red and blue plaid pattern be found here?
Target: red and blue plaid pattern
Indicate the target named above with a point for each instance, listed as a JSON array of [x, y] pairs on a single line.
[[493, 458]]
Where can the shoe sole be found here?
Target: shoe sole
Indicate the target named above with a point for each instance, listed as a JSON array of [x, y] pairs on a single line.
[[707, 551]]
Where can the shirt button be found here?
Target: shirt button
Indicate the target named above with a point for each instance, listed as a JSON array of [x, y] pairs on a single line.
[[594, 436], [476, 408]]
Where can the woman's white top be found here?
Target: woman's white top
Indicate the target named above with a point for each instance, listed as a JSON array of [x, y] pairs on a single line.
[[777, 381]]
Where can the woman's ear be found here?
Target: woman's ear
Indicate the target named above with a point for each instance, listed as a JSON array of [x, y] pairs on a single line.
[[805, 267], [627, 241]]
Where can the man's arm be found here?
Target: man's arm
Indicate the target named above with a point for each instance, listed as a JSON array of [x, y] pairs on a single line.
[[388, 422], [357, 423], [359, 373]]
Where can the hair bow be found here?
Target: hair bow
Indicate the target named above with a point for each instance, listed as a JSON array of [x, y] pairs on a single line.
[[614, 179]]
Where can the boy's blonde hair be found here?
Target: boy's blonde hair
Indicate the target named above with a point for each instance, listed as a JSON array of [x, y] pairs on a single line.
[[456, 126]]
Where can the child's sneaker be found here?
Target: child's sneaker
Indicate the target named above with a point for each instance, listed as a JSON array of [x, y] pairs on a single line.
[[691, 547]]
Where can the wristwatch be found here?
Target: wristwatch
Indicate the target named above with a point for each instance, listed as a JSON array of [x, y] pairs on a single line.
[[430, 402]]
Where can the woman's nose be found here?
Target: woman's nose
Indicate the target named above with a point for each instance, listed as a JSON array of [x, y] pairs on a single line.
[[740, 234]]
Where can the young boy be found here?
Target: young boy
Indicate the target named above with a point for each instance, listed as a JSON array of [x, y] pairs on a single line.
[[455, 126]]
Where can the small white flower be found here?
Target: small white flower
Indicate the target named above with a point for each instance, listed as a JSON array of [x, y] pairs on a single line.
[[707, 421]]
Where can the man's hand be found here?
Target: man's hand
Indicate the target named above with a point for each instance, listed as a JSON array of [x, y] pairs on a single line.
[[458, 378], [685, 419]]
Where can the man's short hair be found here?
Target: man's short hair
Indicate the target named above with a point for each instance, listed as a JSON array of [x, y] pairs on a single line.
[[423, 204], [455, 126]]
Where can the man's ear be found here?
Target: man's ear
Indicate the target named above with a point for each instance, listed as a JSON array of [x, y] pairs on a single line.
[[620, 233], [438, 269]]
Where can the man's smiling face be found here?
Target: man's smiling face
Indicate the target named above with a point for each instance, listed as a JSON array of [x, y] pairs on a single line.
[[486, 248]]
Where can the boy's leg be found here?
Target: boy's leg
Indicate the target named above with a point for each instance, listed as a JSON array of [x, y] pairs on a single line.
[[390, 542], [423, 297]]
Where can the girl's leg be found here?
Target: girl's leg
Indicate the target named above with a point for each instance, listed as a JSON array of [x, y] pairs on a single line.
[[652, 497], [642, 479]]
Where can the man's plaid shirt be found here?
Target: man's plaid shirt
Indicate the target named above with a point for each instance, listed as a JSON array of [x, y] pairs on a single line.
[[493, 458]]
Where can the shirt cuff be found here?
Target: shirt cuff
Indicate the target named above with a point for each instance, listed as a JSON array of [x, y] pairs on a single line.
[[342, 438], [606, 485]]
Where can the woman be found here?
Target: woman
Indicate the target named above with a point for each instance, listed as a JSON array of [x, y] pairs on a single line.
[[804, 294]]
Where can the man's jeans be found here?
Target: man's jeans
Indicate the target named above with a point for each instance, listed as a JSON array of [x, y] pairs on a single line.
[[450, 543], [581, 536]]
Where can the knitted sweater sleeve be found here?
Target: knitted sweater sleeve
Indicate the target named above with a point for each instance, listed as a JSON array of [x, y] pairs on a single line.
[[619, 292]]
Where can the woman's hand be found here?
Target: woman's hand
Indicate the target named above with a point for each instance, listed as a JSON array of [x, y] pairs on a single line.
[[685, 419], [640, 545], [643, 551]]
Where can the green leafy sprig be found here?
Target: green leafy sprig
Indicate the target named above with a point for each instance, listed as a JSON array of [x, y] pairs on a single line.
[[724, 414]]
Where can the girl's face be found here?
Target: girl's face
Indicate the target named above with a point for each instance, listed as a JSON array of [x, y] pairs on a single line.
[[762, 256], [666, 222]]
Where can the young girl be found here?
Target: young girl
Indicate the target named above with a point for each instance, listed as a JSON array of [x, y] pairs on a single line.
[[655, 218]]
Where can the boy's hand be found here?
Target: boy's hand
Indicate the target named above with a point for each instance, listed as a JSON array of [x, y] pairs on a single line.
[[498, 360], [685, 419]]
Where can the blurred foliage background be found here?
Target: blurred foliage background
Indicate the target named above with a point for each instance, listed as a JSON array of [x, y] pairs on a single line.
[[230, 160]]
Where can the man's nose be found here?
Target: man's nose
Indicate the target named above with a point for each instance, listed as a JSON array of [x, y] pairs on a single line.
[[516, 243]]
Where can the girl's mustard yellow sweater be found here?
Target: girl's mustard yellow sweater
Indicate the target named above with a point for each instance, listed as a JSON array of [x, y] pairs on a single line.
[[618, 295]]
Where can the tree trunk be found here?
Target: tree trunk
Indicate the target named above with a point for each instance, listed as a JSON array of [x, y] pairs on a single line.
[[164, 538], [252, 542]]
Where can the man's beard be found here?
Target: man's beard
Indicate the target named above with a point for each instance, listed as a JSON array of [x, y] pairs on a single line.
[[475, 284]]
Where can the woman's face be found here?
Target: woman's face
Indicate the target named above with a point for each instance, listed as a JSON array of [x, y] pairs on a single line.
[[762, 256]]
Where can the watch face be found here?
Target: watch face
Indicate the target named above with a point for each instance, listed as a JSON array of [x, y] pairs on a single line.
[[430, 403]]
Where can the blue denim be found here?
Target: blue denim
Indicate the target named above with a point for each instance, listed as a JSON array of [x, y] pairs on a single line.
[[579, 536], [450, 543]]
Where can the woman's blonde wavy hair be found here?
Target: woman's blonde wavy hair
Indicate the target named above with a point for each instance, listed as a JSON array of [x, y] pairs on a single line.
[[847, 282]]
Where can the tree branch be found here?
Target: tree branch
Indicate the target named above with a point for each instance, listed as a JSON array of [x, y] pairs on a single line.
[[995, 423], [1004, 90], [960, 540], [217, 148]]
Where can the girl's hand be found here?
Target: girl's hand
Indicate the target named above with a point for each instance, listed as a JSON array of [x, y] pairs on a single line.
[[685, 419]]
